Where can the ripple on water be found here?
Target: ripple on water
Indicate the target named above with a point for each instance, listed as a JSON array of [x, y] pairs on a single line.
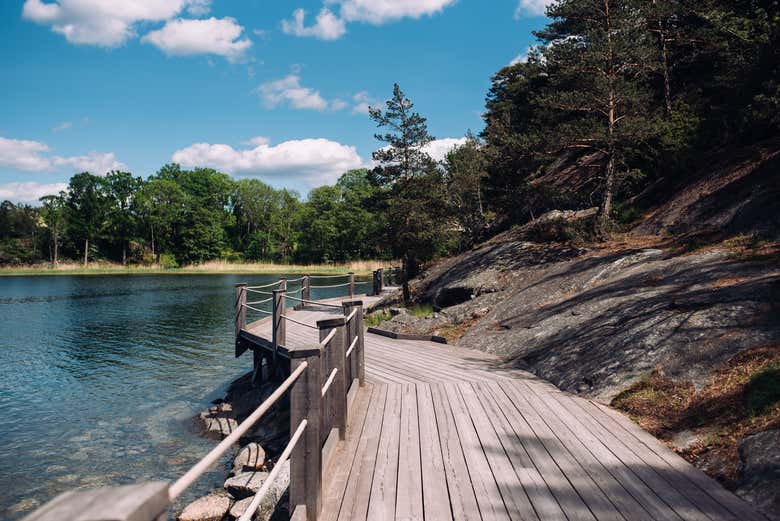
[[99, 377]]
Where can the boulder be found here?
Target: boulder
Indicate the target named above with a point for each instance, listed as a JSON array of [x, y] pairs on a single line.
[[239, 507], [251, 457], [212, 507], [245, 484], [759, 471]]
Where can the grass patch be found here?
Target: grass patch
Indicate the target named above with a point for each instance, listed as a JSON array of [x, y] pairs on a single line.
[[377, 317], [742, 397], [206, 268], [421, 310]]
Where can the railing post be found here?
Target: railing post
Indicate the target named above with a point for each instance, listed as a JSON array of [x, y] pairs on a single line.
[[306, 458], [279, 331], [351, 285], [334, 358], [306, 293], [355, 329], [240, 307]]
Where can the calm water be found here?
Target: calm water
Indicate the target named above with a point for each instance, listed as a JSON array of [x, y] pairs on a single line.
[[101, 375]]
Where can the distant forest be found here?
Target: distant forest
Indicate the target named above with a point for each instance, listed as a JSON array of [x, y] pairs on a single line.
[[623, 97]]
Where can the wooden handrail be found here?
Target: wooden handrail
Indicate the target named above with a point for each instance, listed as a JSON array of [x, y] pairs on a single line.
[[196, 471]]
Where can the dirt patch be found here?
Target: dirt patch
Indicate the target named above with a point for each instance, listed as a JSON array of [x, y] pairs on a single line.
[[742, 398]]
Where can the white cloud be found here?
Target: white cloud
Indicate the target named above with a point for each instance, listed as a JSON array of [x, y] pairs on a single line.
[[381, 11], [108, 23], [311, 162], [289, 90], [256, 141], [65, 125], [32, 156], [532, 7], [199, 7], [327, 26], [439, 148], [363, 102], [29, 192], [24, 155], [219, 36], [97, 163]]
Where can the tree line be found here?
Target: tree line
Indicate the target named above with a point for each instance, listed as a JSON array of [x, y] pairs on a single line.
[[622, 99]]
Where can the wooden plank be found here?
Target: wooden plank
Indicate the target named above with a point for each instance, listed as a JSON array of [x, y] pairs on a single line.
[[569, 500], [462, 498], [655, 507], [516, 500], [357, 492], [436, 504], [675, 474], [409, 498], [491, 504], [591, 494], [541, 497], [346, 455], [381, 505], [555, 417]]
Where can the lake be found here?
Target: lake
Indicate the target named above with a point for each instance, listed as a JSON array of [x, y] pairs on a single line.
[[100, 377]]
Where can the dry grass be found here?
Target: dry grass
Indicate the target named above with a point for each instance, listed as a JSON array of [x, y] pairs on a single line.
[[212, 267], [741, 398]]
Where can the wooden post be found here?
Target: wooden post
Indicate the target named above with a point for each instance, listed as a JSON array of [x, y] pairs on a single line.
[[351, 285], [375, 282], [335, 358], [381, 280], [279, 332], [306, 458], [358, 358], [306, 293], [240, 307]]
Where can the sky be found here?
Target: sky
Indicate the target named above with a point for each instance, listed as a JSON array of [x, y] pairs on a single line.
[[273, 90]]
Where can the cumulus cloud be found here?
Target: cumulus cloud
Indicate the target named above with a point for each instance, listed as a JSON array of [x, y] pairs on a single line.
[[327, 25], [29, 192], [24, 155], [106, 23], [311, 162], [532, 7], [218, 36], [199, 7], [439, 148], [382, 11], [289, 91], [33, 156]]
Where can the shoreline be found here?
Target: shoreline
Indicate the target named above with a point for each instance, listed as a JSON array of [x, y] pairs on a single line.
[[360, 268]]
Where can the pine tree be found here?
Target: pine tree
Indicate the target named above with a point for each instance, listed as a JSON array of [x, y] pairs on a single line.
[[415, 203], [598, 53]]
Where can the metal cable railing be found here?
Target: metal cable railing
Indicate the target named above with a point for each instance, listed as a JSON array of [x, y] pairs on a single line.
[[314, 302], [266, 285], [332, 286]]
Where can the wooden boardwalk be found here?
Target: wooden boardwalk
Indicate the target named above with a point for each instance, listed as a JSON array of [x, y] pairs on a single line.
[[442, 433]]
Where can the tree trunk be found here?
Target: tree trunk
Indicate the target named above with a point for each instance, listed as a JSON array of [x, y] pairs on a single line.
[[664, 62], [405, 280], [124, 254], [602, 218], [56, 259], [86, 252]]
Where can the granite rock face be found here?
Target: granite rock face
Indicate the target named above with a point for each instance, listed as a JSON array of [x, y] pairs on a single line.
[[759, 471], [595, 322], [245, 484]]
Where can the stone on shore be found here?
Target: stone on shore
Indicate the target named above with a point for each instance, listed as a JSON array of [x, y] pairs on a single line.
[[239, 507], [211, 507], [245, 484], [251, 457]]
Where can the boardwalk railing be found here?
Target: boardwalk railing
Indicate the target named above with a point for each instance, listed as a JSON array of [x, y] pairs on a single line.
[[322, 380]]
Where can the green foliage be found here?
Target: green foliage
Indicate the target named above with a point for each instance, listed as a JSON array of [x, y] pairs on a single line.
[[377, 317]]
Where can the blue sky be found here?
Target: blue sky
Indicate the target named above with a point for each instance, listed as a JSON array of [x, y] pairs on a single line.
[[255, 89]]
